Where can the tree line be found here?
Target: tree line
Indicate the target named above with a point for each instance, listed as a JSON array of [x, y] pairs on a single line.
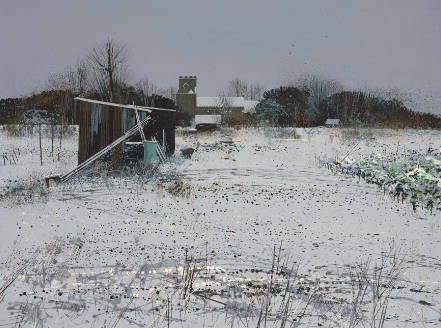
[[103, 74], [312, 99]]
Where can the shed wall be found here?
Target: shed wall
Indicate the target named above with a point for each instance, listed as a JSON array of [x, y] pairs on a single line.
[[100, 125]]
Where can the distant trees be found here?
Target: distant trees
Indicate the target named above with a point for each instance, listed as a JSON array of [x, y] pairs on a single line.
[[10, 109], [107, 63], [237, 88], [72, 79], [146, 88], [293, 100], [320, 88], [240, 88], [102, 73], [361, 108], [353, 107]]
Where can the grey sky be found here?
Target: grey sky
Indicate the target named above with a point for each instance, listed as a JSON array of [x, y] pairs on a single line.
[[384, 43]]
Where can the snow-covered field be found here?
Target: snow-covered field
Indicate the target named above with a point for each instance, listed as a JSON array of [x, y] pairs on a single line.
[[251, 230]]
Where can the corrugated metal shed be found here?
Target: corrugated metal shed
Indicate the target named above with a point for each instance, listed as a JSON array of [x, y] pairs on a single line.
[[101, 123]]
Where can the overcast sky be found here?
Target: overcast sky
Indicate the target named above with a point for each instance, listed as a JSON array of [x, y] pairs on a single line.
[[362, 43]]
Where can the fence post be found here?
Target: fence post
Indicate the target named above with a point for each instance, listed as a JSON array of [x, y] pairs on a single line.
[[41, 150]]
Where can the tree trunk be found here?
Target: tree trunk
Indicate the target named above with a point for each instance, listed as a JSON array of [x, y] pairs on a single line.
[[110, 70]]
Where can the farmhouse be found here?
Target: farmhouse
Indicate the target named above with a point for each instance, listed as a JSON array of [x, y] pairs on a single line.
[[102, 124], [188, 101]]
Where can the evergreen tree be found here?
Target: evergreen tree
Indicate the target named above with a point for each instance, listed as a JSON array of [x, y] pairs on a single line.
[[269, 110]]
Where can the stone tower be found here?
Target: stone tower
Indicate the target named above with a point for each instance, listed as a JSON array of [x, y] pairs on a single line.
[[186, 95]]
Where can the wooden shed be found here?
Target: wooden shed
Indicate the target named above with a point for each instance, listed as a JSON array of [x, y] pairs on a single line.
[[101, 123]]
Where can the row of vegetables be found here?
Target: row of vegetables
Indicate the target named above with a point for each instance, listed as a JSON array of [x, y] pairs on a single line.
[[409, 176]]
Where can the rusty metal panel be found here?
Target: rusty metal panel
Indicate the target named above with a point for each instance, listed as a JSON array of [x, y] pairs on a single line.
[[84, 116], [101, 123]]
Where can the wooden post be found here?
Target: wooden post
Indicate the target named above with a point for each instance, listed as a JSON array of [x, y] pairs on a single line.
[[52, 137], [41, 150], [61, 138], [163, 139]]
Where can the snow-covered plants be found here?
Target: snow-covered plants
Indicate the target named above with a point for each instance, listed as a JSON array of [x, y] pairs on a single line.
[[411, 175]]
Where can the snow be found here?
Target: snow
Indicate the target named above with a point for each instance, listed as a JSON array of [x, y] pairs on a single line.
[[217, 101], [250, 106], [236, 102], [108, 248], [207, 119]]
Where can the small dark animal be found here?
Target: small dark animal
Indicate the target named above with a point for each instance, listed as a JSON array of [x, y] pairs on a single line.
[[187, 152]]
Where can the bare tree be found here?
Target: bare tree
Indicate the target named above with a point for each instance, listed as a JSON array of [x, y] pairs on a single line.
[[146, 88], [224, 103], [168, 92], [108, 66], [240, 88], [237, 88], [81, 77], [319, 87], [255, 91], [71, 79]]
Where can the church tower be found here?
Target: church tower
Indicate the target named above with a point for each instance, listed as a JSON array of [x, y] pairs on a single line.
[[186, 95]]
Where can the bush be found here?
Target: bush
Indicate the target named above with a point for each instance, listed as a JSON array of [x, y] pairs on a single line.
[[270, 111], [238, 119], [294, 102]]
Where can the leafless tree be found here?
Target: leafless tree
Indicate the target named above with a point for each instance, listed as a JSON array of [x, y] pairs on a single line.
[[168, 92], [108, 66], [255, 91], [81, 76], [237, 88], [147, 88], [73, 79], [318, 86], [240, 88], [224, 103]]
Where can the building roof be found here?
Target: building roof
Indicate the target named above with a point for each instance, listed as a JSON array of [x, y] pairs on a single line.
[[250, 106], [247, 105], [218, 101]]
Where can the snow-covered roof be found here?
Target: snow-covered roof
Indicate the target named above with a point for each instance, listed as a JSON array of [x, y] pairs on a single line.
[[332, 121], [250, 106], [218, 101], [237, 102]]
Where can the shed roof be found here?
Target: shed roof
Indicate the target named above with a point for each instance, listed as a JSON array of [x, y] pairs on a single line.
[[134, 107]]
